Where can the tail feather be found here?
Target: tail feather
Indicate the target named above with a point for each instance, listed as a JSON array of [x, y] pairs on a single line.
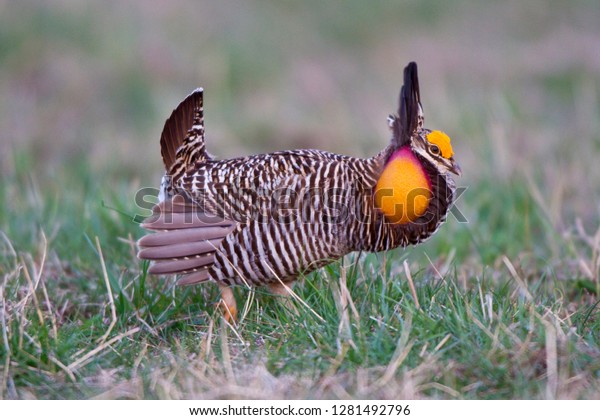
[[185, 126]]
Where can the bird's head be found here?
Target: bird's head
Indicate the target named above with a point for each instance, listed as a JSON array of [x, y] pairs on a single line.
[[435, 147], [418, 157], [407, 127]]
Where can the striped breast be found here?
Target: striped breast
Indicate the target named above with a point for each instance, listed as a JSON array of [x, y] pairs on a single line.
[[266, 218], [291, 211]]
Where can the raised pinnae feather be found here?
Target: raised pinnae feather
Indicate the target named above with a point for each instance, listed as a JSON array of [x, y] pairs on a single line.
[[410, 112]]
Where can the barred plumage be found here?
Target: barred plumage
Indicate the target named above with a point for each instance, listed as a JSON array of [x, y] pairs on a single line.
[[268, 218]]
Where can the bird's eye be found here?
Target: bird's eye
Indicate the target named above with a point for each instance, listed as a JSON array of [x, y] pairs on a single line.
[[434, 150]]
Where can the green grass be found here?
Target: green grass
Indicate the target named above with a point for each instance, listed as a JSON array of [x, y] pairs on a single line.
[[482, 328], [504, 306]]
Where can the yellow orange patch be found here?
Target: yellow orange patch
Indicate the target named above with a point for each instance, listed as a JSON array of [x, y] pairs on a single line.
[[441, 140], [403, 191]]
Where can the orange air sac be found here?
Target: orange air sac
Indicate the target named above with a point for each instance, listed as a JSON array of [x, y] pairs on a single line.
[[403, 190]]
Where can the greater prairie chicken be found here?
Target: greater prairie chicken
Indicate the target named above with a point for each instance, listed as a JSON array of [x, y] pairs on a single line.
[[266, 219]]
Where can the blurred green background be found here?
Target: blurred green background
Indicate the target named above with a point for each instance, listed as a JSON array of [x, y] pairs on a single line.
[[513, 83]]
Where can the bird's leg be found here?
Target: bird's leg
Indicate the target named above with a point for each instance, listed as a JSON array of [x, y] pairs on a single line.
[[228, 304], [280, 289], [283, 290]]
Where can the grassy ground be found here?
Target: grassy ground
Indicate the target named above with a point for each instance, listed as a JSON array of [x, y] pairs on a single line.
[[504, 306]]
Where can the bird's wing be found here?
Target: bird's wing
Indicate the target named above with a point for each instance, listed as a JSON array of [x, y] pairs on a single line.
[[185, 239]]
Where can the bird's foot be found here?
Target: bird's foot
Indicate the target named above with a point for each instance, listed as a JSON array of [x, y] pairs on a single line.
[[283, 291], [228, 305]]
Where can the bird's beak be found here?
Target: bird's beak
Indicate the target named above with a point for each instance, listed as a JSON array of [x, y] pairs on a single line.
[[455, 168]]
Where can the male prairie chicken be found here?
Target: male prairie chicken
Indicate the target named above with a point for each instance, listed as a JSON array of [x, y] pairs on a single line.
[[266, 219]]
